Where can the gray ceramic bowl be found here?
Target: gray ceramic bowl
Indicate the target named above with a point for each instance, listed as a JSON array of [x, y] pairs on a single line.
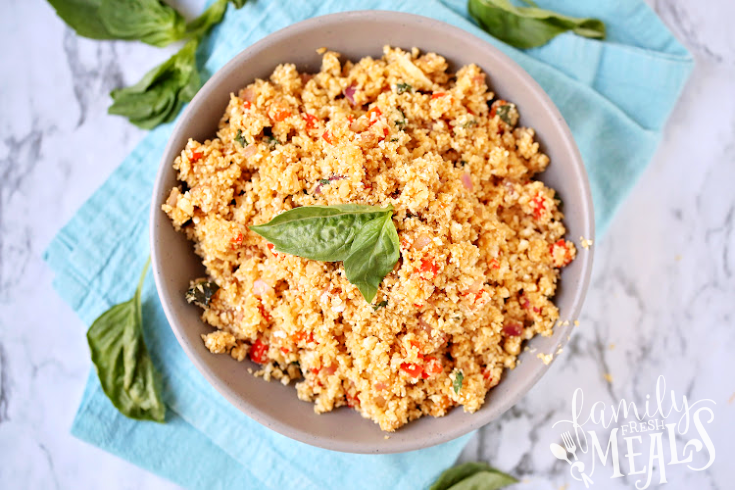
[[355, 35]]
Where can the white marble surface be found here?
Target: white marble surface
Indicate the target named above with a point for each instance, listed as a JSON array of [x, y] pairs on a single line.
[[663, 289]]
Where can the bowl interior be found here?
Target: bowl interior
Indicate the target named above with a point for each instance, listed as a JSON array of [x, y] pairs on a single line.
[[356, 35]]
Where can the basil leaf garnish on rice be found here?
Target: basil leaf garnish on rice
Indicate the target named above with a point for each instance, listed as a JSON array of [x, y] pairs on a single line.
[[159, 95], [529, 27], [472, 475], [363, 237], [373, 254], [121, 359]]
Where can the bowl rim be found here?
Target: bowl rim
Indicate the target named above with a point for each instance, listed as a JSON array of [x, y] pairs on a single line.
[[576, 165]]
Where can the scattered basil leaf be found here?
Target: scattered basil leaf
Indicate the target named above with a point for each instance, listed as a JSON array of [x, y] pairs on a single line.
[[469, 124], [241, 139], [201, 292], [463, 162], [324, 181], [322, 233], [83, 16], [402, 87], [159, 95], [529, 27], [460, 474], [379, 305], [484, 480], [150, 21], [121, 359], [363, 237], [373, 254], [458, 378], [508, 113], [272, 141]]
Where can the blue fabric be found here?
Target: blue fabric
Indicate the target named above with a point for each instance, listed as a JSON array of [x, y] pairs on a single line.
[[615, 96]]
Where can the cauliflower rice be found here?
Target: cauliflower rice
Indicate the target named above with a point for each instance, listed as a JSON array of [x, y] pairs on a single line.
[[481, 241]]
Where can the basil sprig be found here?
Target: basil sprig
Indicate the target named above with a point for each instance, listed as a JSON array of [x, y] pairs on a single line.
[[150, 21], [529, 27], [363, 237], [123, 365], [472, 476], [159, 95]]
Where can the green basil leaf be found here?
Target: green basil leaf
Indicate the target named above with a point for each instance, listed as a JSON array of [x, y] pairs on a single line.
[[453, 476], [458, 379], [83, 16], [322, 233], [373, 254], [529, 27], [160, 94], [150, 21], [485, 480], [121, 359], [210, 17]]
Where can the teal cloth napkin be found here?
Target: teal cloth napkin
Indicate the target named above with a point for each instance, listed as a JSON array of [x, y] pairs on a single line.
[[615, 96]]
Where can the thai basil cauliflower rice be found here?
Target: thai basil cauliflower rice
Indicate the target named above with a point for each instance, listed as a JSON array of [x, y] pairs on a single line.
[[481, 242]]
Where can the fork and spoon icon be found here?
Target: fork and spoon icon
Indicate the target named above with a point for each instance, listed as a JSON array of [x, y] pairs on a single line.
[[561, 454]]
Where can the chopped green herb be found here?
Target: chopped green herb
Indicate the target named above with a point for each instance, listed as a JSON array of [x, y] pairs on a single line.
[[380, 305], [324, 181], [402, 87], [272, 141], [469, 124], [508, 114], [393, 140], [401, 123], [463, 162], [241, 139], [458, 378], [201, 292]]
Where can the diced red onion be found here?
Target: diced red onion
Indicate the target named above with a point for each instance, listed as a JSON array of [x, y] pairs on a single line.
[[421, 242], [350, 94], [467, 181], [512, 329], [248, 94], [249, 151], [260, 287]]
